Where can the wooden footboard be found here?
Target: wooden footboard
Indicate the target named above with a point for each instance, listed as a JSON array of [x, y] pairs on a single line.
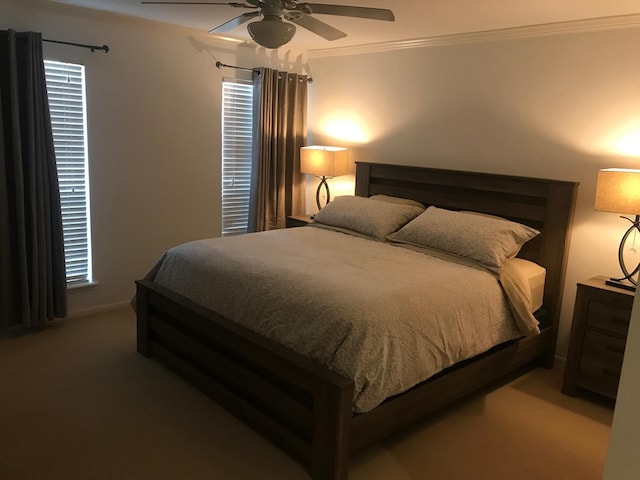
[[299, 405]]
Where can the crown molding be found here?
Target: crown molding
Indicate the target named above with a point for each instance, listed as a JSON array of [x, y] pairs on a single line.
[[541, 30]]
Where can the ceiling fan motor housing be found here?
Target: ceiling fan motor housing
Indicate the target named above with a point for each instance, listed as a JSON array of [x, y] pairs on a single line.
[[271, 7]]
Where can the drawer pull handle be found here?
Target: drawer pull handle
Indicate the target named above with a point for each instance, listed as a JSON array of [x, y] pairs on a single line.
[[614, 349], [611, 373]]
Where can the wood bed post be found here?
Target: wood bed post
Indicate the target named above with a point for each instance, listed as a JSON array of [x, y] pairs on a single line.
[[363, 175], [330, 449], [555, 252]]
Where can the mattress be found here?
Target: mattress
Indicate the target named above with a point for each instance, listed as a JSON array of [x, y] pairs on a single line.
[[532, 276], [385, 316]]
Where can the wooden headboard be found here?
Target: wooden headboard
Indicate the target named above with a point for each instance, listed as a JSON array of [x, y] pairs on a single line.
[[546, 205]]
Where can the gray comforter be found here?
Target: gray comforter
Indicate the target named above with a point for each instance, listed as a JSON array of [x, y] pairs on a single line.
[[385, 316]]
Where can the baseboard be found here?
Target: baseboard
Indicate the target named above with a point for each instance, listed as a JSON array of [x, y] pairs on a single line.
[[100, 309]]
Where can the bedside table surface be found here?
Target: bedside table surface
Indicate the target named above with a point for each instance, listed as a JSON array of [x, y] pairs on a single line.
[[302, 218], [599, 282], [298, 221]]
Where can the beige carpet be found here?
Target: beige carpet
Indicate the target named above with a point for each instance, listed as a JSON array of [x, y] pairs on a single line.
[[78, 403]]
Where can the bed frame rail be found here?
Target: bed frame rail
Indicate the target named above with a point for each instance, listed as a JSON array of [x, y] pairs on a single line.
[[446, 387]]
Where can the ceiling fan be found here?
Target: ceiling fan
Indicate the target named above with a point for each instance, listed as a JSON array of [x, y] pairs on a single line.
[[272, 32]]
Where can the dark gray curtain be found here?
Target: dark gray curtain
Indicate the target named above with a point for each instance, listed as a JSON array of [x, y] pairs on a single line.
[[280, 129], [32, 270]]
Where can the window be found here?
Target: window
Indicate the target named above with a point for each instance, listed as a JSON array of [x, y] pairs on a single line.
[[65, 88], [237, 128]]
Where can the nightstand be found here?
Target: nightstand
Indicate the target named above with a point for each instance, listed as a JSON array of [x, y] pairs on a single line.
[[298, 221], [598, 337]]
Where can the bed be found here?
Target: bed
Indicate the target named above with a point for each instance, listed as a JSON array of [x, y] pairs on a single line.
[[307, 408]]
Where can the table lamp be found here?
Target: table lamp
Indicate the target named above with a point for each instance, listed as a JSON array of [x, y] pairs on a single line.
[[618, 190], [324, 162]]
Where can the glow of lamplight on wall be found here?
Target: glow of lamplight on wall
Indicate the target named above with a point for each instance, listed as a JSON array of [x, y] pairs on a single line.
[[343, 185], [348, 129], [628, 144]]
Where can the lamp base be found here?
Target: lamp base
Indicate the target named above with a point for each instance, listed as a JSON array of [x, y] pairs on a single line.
[[617, 283], [628, 282], [323, 183]]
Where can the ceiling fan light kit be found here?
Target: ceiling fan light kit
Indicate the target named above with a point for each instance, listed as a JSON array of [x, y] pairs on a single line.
[[272, 32]]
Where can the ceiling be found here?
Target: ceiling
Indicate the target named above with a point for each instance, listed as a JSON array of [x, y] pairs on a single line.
[[415, 19]]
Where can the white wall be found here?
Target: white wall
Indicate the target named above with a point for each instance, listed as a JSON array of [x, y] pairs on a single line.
[[552, 106], [154, 109]]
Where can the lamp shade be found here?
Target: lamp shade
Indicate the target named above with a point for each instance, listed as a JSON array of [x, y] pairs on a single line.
[[324, 161], [618, 191]]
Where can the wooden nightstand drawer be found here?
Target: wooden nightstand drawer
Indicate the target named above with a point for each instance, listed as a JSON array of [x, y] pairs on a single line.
[[603, 349], [601, 363], [609, 318]]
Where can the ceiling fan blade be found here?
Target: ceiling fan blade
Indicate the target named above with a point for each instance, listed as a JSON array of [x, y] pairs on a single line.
[[349, 11], [318, 27], [232, 4], [234, 22]]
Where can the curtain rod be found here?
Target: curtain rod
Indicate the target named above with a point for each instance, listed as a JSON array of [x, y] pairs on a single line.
[[93, 48], [220, 65]]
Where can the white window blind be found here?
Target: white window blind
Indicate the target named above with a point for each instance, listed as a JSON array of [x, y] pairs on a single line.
[[237, 127], [65, 88]]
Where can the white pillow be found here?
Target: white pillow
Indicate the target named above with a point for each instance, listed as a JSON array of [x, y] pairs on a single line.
[[366, 216], [486, 239]]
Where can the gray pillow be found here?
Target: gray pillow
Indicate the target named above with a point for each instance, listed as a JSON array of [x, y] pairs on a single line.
[[486, 239], [366, 216]]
